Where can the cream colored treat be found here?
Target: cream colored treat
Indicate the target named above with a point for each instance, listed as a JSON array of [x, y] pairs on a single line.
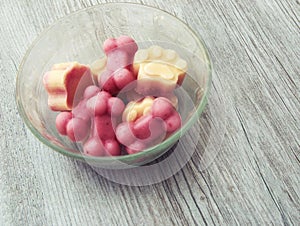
[[158, 70], [136, 109], [97, 67], [163, 56], [156, 79]]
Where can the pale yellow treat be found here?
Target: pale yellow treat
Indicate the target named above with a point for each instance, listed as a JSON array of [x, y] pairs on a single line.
[[136, 109], [97, 67], [164, 56], [156, 79]]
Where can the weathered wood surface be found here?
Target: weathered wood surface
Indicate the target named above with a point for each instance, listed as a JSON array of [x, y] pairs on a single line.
[[254, 179]]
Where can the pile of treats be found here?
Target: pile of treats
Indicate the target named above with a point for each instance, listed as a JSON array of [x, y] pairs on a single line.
[[123, 103]]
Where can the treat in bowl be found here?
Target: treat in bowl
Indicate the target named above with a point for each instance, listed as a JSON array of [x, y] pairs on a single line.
[[119, 71], [63, 81], [92, 78], [158, 70], [91, 113]]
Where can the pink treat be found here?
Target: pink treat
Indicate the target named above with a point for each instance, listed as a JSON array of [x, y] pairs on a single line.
[[81, 111], [164, 109], [136, 147], [146, 132], [173, 122], [123, 43], [125, 136], [119, 72], [90, 91], [75, 124], [115, 106], [97, 104], [105, 111], [124, 133], [141, 128], [61, 122], [93, 121], [149, 129], [123, 77], [77, 129], [107, 82], [103, 127], [112, 147], [95, 147]]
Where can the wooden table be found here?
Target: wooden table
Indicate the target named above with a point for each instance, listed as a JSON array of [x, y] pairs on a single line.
[[253, 178]]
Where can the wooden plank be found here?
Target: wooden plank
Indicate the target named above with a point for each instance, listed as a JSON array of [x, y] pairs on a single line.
[[253, 180]]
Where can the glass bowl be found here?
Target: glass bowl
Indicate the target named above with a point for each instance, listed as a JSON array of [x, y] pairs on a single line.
[[79, 37]]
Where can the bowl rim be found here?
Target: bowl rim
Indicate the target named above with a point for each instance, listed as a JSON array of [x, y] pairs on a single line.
[[123, 158]]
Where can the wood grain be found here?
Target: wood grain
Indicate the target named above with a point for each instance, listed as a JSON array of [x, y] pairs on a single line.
[[254, 179]]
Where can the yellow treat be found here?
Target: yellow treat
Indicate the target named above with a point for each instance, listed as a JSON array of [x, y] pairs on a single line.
[[156, 79], [136, 109], [164, 56]]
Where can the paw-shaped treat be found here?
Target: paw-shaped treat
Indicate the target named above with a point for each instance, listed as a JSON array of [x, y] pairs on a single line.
[[65, 84], [119, 71], [161, 55], [151, 128], [158, 70]]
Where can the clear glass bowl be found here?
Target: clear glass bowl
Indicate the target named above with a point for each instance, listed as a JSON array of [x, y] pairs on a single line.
[[79, 37]]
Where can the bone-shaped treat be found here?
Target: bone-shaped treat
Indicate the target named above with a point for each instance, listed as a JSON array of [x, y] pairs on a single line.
[[93, 122], [119, 72]]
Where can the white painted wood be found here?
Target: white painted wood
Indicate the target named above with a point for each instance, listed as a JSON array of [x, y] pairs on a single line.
[[253, 180]]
